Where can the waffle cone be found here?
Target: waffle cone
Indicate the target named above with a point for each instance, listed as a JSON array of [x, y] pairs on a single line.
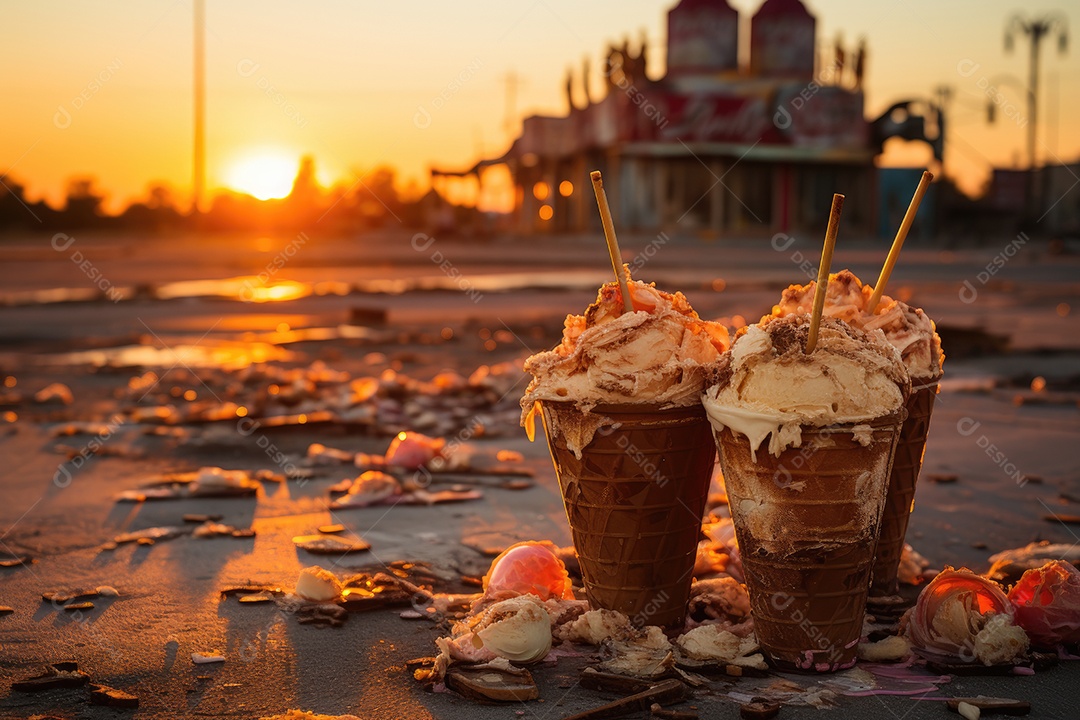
[[807, 524], [635, 500], [901, 496]]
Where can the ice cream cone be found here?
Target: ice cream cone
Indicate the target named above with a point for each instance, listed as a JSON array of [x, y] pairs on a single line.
[[901, 494], [807, 524], [635, 499]]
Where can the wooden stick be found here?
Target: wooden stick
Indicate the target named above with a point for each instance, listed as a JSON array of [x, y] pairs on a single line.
[[822, 288], [898, 242], [612, 241]]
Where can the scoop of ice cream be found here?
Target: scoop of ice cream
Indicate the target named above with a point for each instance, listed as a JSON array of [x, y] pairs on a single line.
[[908, 329], [412, 450], [768, 385], [529, 568], [657, 353], [518, 629], [963, 615], [1047, 604], [318, 584]]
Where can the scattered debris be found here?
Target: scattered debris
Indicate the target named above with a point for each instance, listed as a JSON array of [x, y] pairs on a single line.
[[329, 544], [1008, 566], [1005, 706], [111, 697], [305, 715], [208, 482], [711, 645], [67, 596], [257, 597], [668, 691], [331, 529], [56, 675], [321, 614], [759, 710], [593, 679], [891, 649], [1066, 519], [199, 519], [16, 561], [251, 589], [211, 529], [5, 610], [54, 393], [657, 711], [203, 659], [495, 681], [165, 532], [71, 607], [366, 592]]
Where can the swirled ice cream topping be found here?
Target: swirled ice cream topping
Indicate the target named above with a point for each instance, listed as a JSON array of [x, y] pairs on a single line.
[[907, 328], [658, 353], [767, 385]]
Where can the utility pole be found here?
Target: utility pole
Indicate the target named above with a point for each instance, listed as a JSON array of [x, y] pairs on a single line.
[[513, 82], [1035, 29], [198, 180]]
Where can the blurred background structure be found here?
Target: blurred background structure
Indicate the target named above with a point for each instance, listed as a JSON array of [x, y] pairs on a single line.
[[728, 119]]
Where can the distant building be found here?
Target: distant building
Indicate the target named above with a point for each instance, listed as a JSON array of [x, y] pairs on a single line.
[[711, 146]]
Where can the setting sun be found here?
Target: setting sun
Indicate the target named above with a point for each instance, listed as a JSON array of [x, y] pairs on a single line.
[[265, 175]]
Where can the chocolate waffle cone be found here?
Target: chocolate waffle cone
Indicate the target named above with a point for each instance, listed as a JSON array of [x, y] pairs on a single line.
[[635, 500], [807, 524], [901, 496]]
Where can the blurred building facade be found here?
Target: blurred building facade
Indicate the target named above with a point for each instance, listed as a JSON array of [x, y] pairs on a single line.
[[714, 146]]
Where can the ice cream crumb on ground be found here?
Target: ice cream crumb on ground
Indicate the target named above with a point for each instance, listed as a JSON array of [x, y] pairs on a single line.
[[892, 649], [318, 585], [715, 644], [768, 386], [656, 355], [907, 328], [596, 626], [647, 655]]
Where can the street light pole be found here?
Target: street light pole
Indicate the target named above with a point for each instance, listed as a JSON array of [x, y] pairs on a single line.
[[1035, 29]]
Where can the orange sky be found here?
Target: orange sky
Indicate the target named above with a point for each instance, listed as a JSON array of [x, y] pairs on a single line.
[[104, 89]]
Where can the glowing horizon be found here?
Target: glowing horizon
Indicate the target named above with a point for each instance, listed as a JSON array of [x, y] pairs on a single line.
[[108, 92]]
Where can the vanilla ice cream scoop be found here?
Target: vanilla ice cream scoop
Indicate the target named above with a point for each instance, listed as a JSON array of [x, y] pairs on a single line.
[[908, 329], [767, 385], [518, 629], [656, 354]]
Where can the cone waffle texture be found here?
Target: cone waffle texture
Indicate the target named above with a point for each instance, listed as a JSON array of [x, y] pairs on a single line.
[[901, 495], [807, 524], [635, 501]]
